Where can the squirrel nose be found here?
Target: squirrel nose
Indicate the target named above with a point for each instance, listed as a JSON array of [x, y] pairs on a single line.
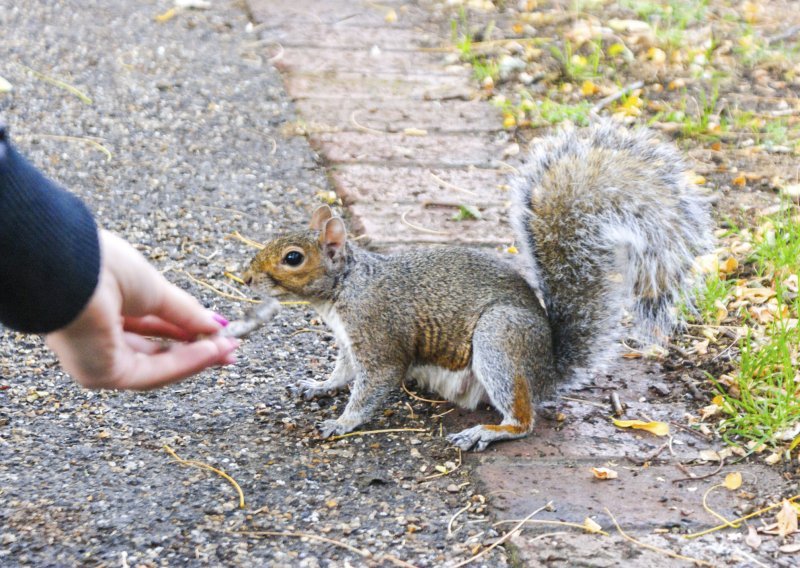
[[247, 277]]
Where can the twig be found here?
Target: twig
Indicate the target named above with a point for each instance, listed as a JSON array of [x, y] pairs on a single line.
[[712, 511], [604, 102], [452, 186], [691, 431], [58, 83], [417, 397], [234, 277], [443, 413], [651, 456], [616, 404], [278, 55], [201, 465], [455, 516], [218, 291], [255, 244], [583, 401], [85, 140], [361, 127], [420, 227], [656, 548], [740, 519], [787, 34], [368, 432], [556, 523], [704, 476], [503, 538], [308, 330]]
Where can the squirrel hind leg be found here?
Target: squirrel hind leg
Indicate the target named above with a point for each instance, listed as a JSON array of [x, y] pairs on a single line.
[[512, 359]]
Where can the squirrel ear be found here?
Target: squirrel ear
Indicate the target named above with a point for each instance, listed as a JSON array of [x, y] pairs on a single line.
[[319, 216], [333, 237]]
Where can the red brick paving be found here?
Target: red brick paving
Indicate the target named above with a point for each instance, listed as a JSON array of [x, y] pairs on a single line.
[[387, 115], [362, 82]]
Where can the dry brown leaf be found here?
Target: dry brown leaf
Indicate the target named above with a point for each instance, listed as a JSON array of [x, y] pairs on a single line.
[[787, 519], [733, 481], [604, 473], [657, 428], [790, 548]]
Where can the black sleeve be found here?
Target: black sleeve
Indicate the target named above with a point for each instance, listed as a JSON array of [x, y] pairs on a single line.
[[49, 250]]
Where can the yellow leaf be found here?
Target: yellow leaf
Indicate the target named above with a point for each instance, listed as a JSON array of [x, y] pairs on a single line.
[[616, 49], [591, 526], [794, 443], [656, 55], [440, 468], [740, 180], [657, 428], [730, 265], [517, 28], [509, 121], [699, 180], [719, 400], [166, 16], [588, 88], [391, 17], [733, 481], [604, 473], [512, 250]]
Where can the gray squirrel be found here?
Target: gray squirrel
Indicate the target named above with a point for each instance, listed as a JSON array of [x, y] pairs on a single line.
[[607, 221]]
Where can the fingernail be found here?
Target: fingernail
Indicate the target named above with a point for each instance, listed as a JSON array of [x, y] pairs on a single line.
[[220, 320]]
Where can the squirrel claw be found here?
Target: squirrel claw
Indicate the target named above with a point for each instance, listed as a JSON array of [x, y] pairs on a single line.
[[308, 389], [470, 439], [328, 428]]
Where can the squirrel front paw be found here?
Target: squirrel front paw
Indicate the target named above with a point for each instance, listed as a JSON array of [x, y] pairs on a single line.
[[328, 428], [309, 388]]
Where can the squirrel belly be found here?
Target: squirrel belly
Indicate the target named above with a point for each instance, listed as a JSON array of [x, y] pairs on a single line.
[[607, 221]]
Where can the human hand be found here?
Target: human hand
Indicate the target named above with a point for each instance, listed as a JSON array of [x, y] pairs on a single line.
[[106, 345]]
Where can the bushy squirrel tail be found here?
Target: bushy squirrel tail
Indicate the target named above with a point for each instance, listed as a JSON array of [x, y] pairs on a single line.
[[610, 222]]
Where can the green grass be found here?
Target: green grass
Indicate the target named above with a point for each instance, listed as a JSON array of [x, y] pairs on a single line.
[[712, 292], [578, 67], [766, 400], [545, 111], [764, 397]]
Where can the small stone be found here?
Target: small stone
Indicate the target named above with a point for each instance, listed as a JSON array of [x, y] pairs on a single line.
[[453, 488]]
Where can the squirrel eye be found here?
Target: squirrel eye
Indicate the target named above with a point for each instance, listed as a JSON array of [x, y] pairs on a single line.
[[293, 258]]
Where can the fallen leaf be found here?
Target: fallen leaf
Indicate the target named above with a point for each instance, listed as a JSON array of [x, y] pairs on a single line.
[[730, 265], [740, 180], [787, 519], [733, 481], [604, 473], [753, 539], [390, 17], [512, 250], [709, 455], [166, 16], [588, 88], [591, 526], [772, 459], [657, 428], [790, 548]]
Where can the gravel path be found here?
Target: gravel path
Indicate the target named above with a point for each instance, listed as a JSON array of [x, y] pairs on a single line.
[[198, 130]]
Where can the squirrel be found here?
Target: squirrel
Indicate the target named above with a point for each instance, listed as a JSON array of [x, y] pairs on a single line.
[[607, 220]]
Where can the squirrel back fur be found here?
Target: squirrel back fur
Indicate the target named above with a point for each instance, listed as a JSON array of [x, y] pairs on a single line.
[[609, 222]]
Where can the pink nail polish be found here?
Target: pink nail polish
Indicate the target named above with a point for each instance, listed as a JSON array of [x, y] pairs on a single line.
[[220, 320]]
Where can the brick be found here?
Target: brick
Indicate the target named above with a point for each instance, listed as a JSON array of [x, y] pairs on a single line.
[[315, 34], [363, 60], [340, 13], [344, 85], [431, 150], [397, 115], [359, 183], [641, 498], [385, 226]]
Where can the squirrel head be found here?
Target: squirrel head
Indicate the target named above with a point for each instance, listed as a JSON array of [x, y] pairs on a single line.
[[306, 264]]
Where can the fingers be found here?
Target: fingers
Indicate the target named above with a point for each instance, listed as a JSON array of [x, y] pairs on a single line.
[[179, 308], [154, 326], [150, 371]]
